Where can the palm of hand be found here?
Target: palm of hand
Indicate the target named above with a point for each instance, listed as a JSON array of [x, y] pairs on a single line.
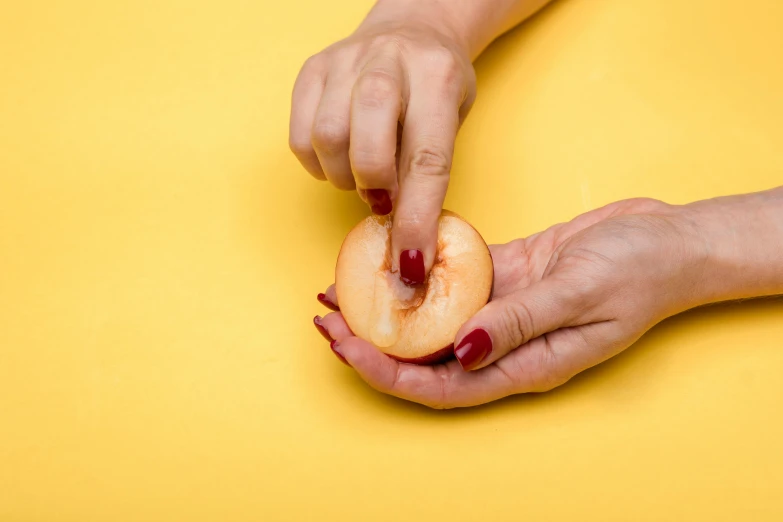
[[563, 300]]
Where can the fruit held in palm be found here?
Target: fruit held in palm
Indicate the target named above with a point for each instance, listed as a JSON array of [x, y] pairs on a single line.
[[412, 323]]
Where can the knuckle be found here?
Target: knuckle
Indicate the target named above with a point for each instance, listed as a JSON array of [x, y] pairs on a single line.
[[387, 42], [445, 66], [430, 161], [444, 401], [371, 167], [314, 62], [515, 374], [391, 383], [645, 205], [579, 290], [436, 394], [300, 147], [376, 89], [517, 323], [442, 60], [548, 375], [516, 256], [331, 137]]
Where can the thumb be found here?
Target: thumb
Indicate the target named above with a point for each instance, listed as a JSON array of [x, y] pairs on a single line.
[[513, 320]]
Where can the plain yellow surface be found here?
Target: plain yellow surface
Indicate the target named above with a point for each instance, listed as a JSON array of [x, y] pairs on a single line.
[[160, 252]]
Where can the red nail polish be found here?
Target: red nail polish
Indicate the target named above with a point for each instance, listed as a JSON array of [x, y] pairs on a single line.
[[321, 329], [412, 267], [380, 202], [327, 303], [474, 348], [333, 345]]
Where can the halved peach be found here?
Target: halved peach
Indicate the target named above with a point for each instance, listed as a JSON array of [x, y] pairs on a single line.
[[412, 324]]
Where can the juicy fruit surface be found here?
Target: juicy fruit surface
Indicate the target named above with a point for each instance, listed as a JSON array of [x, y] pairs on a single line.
[[412, 323]]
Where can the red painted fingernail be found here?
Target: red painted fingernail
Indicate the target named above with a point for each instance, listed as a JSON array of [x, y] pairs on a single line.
[[334, 345], [412, 267], [474, 348], [380, 202], [320, 327], [327, 303]]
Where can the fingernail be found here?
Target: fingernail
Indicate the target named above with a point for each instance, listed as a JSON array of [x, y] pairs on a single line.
[[321, 329], [335, 346], [380, 202], [327, 303], [412, 267], [474, 348]]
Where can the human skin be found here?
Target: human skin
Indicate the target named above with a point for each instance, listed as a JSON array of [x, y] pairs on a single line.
[[578, 293], [379, 111]]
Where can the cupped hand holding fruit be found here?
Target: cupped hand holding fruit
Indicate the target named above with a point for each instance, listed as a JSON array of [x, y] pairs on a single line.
[[568, 298]]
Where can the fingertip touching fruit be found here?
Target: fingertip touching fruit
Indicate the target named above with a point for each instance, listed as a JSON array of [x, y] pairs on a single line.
[[412, 323]]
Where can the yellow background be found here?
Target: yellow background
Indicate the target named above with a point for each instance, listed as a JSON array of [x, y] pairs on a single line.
[[160, 252]]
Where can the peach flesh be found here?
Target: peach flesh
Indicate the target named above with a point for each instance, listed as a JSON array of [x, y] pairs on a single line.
[[412, 324]]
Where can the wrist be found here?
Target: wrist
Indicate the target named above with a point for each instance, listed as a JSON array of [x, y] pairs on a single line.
[[739, 245]]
